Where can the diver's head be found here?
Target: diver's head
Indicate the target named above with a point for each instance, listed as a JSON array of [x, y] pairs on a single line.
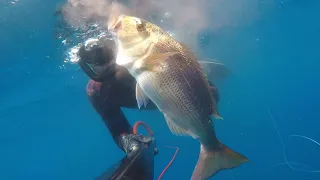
[[97, 51]]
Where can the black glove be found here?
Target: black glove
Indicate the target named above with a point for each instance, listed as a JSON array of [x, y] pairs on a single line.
[[130, 142]]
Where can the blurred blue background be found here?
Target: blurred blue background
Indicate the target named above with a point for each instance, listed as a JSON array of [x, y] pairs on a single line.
[[48, 129]]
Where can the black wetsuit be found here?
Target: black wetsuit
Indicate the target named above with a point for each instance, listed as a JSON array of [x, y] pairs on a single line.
[[110, 88]]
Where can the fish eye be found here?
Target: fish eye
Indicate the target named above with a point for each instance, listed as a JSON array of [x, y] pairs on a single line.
[[139, 24], [140, 27]]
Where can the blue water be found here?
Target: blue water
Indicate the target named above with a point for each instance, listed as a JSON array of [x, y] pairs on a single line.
[[48, 129]]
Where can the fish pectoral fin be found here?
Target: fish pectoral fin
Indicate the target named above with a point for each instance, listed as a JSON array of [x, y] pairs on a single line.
[[178, 131], [155, 62], [141, 98], [215, 70]]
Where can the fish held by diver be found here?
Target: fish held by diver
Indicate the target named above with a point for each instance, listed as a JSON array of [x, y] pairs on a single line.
[[168, 74]]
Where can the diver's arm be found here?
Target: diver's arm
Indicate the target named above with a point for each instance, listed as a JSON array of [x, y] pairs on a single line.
[[117, 125], [113, 118], [121, 131]]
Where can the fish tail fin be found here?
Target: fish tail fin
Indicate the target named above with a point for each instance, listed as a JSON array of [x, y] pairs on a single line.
[[210, 162]]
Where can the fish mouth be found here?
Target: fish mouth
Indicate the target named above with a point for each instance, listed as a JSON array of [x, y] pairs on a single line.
[[115, 24]]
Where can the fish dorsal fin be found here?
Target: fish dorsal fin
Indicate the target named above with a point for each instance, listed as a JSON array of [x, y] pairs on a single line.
[[141, 98], [178, 131]]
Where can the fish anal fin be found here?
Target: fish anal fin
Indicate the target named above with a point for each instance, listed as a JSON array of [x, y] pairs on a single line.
[[214, 111], [216, 114], [179, 131], [141, 98]]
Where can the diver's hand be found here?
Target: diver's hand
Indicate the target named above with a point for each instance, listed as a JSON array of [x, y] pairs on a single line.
[[130, 142]]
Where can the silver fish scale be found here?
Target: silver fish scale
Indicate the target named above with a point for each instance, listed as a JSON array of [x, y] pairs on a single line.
[[181, 95]]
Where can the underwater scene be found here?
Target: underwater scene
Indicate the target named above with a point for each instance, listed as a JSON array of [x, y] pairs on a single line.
[[159, 89]]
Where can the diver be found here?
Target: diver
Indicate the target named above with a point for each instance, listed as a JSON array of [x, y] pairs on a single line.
[[111, 87]]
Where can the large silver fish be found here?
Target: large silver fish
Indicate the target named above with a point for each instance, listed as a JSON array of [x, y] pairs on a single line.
[[168, 74]]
